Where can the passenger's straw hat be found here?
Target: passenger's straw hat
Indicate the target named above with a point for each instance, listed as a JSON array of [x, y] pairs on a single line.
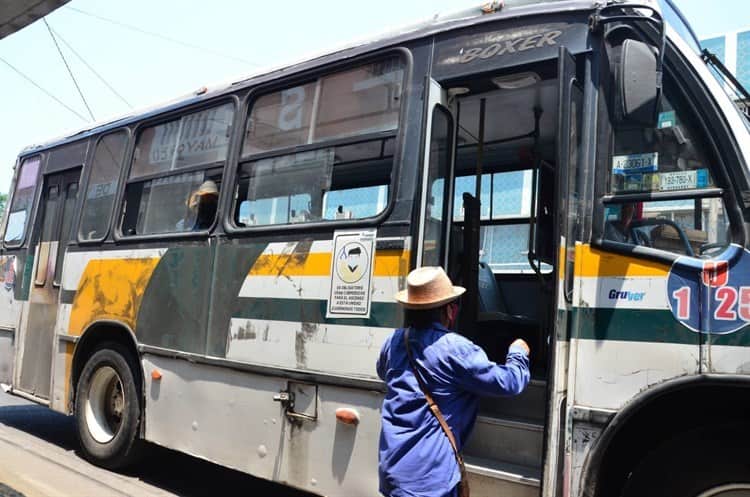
[[428, 287], [208, 187]]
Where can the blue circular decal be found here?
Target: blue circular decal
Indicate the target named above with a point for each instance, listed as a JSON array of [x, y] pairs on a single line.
[[711, 296]]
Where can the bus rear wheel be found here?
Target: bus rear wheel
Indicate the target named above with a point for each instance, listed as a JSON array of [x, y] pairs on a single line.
[[704, 462], [108, 408]]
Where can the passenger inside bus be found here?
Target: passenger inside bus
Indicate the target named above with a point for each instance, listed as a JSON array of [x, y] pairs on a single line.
[[202, 205], [203, 202], [618, 230]]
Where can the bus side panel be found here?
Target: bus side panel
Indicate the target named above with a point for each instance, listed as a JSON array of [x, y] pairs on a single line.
[[96, 285], [13, 295], [9, 313], [230, 417], [627, 338], [62, 362], [279, 314]]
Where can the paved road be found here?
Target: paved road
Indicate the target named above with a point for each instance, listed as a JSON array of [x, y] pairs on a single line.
[[38, 459]]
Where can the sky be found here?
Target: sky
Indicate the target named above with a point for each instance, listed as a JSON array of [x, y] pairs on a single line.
[[219, 41]]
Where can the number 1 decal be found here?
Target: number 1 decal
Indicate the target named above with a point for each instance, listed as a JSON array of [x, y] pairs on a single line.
[[683, 302], [713, 296]]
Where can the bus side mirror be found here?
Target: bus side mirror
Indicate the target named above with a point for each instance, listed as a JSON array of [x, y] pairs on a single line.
[[637, 85]]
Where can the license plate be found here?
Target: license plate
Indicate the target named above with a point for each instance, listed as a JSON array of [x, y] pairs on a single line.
[[678, 180], [635, 163]]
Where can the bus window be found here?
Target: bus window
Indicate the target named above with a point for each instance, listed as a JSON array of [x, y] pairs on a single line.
[[23, 200], [321, 183], [102, 186], [355, 203], [693, 227], [173, 186], [672, 158], [505, 215]]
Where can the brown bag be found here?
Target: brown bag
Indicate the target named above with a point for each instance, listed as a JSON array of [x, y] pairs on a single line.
[[463, 486]]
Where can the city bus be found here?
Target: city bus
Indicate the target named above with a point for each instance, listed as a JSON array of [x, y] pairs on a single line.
[[216, 275]]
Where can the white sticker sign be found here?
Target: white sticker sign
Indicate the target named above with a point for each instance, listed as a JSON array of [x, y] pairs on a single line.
[[352, 264], [678, 180], [635, 163]]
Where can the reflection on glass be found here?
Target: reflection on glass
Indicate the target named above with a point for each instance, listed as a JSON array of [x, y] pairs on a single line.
[[332, 183], [670, 157], [23, 198], [694, 227], [102, 186], [358, 101], [193, 139], [16, 224]]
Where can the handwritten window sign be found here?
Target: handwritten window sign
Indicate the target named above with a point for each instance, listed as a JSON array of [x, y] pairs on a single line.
[[352, 263]]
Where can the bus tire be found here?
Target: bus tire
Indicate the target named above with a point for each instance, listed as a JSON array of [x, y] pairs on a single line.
[[705, 462], [108, 408]]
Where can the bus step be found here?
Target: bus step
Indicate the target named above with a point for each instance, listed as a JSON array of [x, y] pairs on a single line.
[[492, 478], [513, 441], [529, 405]]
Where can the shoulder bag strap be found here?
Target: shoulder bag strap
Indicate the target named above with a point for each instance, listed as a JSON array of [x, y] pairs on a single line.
[[433, 406]]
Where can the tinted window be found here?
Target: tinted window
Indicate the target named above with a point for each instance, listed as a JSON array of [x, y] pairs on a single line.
[[23, 198], [325, 184], [68, 214], [694, 227], [670, 157], [102, 186], [171, 200], [362, 100], [348, 180], [439, 169], [194, 139]]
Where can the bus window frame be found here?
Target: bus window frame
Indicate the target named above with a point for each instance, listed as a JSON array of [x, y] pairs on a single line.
[[130, 152], [305, 77], [708, 116], [84, 185], [30, 221]]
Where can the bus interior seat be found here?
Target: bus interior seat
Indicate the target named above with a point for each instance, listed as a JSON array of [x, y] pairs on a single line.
[[493, 305]]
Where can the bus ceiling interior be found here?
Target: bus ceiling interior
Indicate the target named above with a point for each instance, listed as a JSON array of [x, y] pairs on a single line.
[[502, 247]]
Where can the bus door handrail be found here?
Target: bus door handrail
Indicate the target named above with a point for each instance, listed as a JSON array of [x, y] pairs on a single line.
[[531, 253]]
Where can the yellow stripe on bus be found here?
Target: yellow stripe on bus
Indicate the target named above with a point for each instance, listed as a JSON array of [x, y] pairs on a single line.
[[594, 262], [110, 289], [387, 263]]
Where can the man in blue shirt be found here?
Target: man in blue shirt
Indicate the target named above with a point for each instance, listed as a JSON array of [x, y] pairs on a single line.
[[415, 456]]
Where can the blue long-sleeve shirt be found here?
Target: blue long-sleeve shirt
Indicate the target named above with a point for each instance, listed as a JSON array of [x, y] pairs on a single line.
[[416, 459]]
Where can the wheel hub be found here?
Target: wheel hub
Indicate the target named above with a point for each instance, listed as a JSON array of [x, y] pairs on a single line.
[[105, 404]]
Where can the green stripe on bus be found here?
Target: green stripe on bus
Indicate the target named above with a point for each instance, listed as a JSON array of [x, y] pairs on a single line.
[[641, 325], [382, 314]]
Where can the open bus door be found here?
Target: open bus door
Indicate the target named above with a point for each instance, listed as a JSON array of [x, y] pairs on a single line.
[[499, 212], [567, 231], [437, 188]]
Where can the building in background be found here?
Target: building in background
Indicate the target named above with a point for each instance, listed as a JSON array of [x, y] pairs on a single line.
[[733, 49]]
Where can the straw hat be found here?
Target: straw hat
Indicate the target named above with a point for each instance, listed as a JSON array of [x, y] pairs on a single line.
[[208, 187], [428, 287]]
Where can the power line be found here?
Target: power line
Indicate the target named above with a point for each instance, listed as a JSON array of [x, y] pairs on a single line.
[[160, 36], [69, 70], [57, 33], [50, 95]]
